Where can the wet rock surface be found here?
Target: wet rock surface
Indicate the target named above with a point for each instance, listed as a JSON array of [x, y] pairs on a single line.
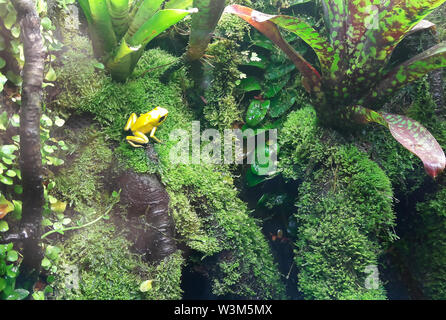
[[148, 210]]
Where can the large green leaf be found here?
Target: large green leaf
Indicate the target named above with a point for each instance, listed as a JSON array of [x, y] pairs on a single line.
[[102, 23], [411, 70], [203, 26], [119, 12], [144, 11], [178, 4], [256, 112], [410, 133], [263, 24], [159, 22]]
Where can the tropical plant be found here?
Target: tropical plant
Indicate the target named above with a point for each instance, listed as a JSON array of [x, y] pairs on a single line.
[[202, 28], [120, 29], [354, 63]]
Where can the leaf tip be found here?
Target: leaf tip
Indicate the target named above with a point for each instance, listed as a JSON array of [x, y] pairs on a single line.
[[434, 169]]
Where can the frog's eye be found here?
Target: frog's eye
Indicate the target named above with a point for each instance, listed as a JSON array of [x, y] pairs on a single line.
[[161, 118]]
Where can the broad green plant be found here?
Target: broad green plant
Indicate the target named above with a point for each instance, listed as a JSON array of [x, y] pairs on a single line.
[[121, 29], [354, 60]]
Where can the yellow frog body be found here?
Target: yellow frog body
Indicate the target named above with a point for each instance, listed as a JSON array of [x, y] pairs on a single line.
[[145, 123]]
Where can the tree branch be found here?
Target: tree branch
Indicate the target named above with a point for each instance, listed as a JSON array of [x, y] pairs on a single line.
[[30, 158]]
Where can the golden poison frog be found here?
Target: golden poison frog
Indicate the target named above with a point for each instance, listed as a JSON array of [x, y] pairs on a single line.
[[145, 123]]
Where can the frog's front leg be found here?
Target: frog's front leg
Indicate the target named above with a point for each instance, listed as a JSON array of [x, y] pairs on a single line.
[[130, 121], [152, 135], [139, 138]]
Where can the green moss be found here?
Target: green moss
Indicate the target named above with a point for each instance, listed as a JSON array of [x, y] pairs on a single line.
[[344, 210], [100, 254], [208, 214], [232, 27], [107, 269], [78, 79], [221, 110], [227, 228], [430, 251], [80, 182]]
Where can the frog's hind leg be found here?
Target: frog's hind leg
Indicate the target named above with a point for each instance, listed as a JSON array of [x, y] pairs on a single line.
[[152, 135], [139, 138], [130, 121]]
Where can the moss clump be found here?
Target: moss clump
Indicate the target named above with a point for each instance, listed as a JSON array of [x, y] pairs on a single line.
[[344, 210], [78, 79], [80, 182], [107, 269], [209, 216], [244, 264], [428, 247], [232, 27], [221, 110]]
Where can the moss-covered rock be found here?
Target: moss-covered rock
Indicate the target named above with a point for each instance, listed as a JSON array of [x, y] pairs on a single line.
[[97, 261], [209, 216], [344, 210]]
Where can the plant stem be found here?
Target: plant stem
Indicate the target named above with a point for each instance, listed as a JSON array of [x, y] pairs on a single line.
[[79, 227]]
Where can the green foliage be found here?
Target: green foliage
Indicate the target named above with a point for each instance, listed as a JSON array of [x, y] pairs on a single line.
[[9, 270], [353, 64], [121, 30], [10, 176], [221, 109], [204, 203], [344, 210], [427, 246], [11, 48]]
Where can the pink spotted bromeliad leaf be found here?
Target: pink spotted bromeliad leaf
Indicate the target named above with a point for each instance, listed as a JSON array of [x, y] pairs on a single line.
[[410, 133], [362, 35]]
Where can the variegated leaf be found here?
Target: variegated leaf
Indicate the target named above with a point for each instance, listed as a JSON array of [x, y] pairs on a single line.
[[410, 133], [411, 70]]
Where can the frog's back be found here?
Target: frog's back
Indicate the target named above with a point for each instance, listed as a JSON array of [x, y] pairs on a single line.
[[143, 124]]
